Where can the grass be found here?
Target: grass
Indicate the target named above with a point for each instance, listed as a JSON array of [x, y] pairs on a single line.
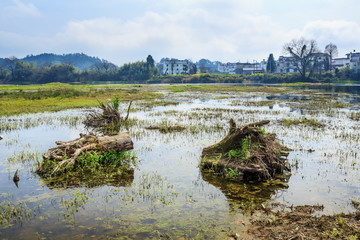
[[303, 121], [240, 153], [21, 102], [20, 99], [11, 213]]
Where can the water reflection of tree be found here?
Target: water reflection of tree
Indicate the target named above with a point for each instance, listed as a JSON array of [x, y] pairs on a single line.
[[112, 177], [247, 195]]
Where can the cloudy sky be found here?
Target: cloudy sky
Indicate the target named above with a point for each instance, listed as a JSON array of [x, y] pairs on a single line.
[[124, 31]]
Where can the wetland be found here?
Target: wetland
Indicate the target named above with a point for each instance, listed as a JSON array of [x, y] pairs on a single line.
[[166, 195]]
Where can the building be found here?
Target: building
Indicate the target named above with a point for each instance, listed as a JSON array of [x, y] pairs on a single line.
[[340, 62], [175, 66], [354, 58], [285, 65], [249, 68], [352, 61], [227, 68], [288, 64]]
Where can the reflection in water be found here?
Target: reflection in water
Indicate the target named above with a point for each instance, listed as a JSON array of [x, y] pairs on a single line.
[[247, 195], [118, 178]]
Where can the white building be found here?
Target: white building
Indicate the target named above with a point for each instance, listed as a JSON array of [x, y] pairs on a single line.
[[354, 58], [227, 68], [340, 62], [285, 65], [352, 61], [175, 66]]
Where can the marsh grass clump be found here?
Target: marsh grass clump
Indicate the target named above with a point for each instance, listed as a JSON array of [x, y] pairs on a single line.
[[247, 152], [303, 121]]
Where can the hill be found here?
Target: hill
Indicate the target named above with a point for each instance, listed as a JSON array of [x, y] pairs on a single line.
[[79, 60]]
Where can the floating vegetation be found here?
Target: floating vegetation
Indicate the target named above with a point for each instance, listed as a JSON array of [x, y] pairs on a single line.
[[26, 122], [11, 213], [150, 188], [166, 128], [72, 205], [24, 157], [355, 116], [303, 121], [157, 103]]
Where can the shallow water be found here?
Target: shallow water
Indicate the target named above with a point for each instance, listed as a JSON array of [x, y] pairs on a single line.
[[169, 197]]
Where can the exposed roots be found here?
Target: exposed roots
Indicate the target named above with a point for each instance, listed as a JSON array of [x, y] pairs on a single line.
[[67, 152], [246, 152]]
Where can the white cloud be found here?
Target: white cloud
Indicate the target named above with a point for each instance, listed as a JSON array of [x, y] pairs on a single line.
[[215, 29], [194, 33], [337, 30], [20, 9], [345, 34]]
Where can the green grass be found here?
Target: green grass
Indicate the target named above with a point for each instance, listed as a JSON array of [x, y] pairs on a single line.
[[43, 99], [304, 121], [240, 153], [11, 213]]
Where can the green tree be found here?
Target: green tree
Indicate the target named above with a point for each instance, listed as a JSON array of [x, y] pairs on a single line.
[[150, 61], [271, 64], [9, 64], [303, 56], [193, 69], [23, 71]]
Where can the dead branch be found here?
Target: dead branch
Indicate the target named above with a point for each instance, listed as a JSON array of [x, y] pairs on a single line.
[[68, 152]]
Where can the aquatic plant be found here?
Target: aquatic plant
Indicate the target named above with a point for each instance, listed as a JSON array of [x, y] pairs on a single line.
[[11, 213]]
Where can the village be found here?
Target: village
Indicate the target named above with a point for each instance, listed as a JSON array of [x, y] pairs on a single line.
[[284, 64]]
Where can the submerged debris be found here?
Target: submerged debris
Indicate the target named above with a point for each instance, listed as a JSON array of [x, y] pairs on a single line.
[[246, 152]]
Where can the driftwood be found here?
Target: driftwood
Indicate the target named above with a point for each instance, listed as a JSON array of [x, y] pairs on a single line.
[[68, 152], [262, 157]]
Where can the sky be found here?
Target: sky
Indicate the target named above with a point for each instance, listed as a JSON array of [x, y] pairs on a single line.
[[123, 31]]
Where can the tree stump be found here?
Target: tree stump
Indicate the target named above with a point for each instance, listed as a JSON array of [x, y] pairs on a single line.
[[246, 152], [68, 152]]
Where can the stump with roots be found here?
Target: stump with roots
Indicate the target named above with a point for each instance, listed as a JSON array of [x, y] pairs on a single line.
[[67, 152], [246, 152]]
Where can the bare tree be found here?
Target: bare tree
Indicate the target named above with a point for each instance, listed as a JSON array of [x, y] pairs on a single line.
[[303, 56], [332, 50]]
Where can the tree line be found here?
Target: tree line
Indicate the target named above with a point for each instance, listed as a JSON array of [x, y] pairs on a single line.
[[14, 71], [303, 54]]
